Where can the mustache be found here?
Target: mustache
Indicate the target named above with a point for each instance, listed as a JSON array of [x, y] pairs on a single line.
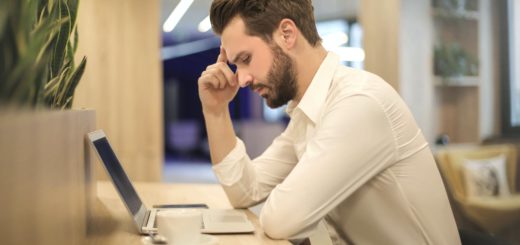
[[257, 86]]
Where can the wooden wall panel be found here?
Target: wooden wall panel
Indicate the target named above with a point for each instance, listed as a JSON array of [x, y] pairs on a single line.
[[458, 110], [122, 82], [380, 20]]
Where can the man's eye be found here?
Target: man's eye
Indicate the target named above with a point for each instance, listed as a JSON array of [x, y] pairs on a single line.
[[246, 59]]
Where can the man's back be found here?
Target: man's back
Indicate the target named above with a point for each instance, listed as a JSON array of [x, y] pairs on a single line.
[[403, 200]]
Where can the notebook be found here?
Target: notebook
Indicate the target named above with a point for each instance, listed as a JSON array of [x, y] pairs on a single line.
[[214, 221]]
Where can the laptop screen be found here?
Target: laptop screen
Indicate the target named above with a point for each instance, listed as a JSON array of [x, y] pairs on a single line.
[[118, 175]]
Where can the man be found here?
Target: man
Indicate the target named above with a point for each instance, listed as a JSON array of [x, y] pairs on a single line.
[[352, 154]]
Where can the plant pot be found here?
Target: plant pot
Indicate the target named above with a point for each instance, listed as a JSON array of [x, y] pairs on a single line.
[[46, 180]]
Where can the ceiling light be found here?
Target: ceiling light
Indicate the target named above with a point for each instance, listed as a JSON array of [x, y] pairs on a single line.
[[205, 25], [176, 15]]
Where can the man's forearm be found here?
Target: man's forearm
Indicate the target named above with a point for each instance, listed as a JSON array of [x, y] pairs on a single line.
[[221, 135]]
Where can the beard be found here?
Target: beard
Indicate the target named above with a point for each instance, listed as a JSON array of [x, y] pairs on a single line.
[[281, 78]]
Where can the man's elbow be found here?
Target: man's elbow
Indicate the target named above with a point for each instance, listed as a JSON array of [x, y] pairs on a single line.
[[243, 202], [279, 227], [239, 205], [239, 197]]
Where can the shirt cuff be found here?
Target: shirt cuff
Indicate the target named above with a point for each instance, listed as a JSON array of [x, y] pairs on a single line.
[[229, 170]]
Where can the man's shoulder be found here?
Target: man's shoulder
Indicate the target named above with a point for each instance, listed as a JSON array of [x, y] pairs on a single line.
[[348, 73], [351, 81]]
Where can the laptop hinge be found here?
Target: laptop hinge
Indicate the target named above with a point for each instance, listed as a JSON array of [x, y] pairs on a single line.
[[149, 222], [144, 225]]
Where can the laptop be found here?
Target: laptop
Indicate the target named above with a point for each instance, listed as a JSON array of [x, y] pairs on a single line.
[[214, 221]]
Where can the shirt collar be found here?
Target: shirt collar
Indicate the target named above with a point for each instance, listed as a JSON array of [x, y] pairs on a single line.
[[315, 95]]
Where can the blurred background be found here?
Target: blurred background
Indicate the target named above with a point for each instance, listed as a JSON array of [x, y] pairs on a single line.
[[452, 61]]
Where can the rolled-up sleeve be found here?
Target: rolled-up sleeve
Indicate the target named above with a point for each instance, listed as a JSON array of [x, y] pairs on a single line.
[[248, 182], [229, 170]]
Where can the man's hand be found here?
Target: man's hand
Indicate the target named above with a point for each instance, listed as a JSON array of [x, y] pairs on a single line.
[[218, 85]]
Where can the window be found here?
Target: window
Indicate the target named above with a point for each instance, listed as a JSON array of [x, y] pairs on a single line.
[[510, 61]]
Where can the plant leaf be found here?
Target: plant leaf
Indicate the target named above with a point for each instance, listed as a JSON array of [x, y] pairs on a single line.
[[62, 38], [51, 87], [76, 40], [68, 103], [62, 87], [73, 11], [52, 5], [70, 55], [4, 14], [74, 80], [30, 61]]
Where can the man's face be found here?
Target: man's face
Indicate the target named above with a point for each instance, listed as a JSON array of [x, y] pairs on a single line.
[[264, 67], [282, 85]]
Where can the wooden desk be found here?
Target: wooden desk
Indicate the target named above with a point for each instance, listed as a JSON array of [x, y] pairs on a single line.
[[111, 223]]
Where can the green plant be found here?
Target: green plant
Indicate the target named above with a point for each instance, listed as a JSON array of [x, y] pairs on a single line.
[[446, 4], [450, 60], [38, 39]]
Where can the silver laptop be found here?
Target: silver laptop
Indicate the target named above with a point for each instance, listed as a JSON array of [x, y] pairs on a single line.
[[214, 221]]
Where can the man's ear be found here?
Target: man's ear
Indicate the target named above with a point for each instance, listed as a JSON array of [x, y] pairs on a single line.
[[287, 32]]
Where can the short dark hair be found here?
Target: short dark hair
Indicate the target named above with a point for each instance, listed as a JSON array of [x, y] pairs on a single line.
[[262, 17]]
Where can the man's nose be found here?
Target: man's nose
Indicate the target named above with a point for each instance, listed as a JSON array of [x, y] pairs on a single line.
[[244, 79]]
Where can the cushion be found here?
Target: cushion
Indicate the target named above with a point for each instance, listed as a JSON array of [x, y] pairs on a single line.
[[486, 177]]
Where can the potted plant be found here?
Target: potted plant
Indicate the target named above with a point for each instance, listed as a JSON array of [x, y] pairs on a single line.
[[45, 176], [38, 40], [451, 61]]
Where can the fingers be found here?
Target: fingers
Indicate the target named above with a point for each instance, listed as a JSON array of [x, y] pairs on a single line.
[[209, 80], [222, 57], [218, 76], [216, 79], [227, 72], [222, 63]]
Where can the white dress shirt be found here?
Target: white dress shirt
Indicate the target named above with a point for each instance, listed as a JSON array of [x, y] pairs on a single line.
[[352, 155]]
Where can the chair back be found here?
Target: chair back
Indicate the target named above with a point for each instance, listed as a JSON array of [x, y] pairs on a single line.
[[451, 160]]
